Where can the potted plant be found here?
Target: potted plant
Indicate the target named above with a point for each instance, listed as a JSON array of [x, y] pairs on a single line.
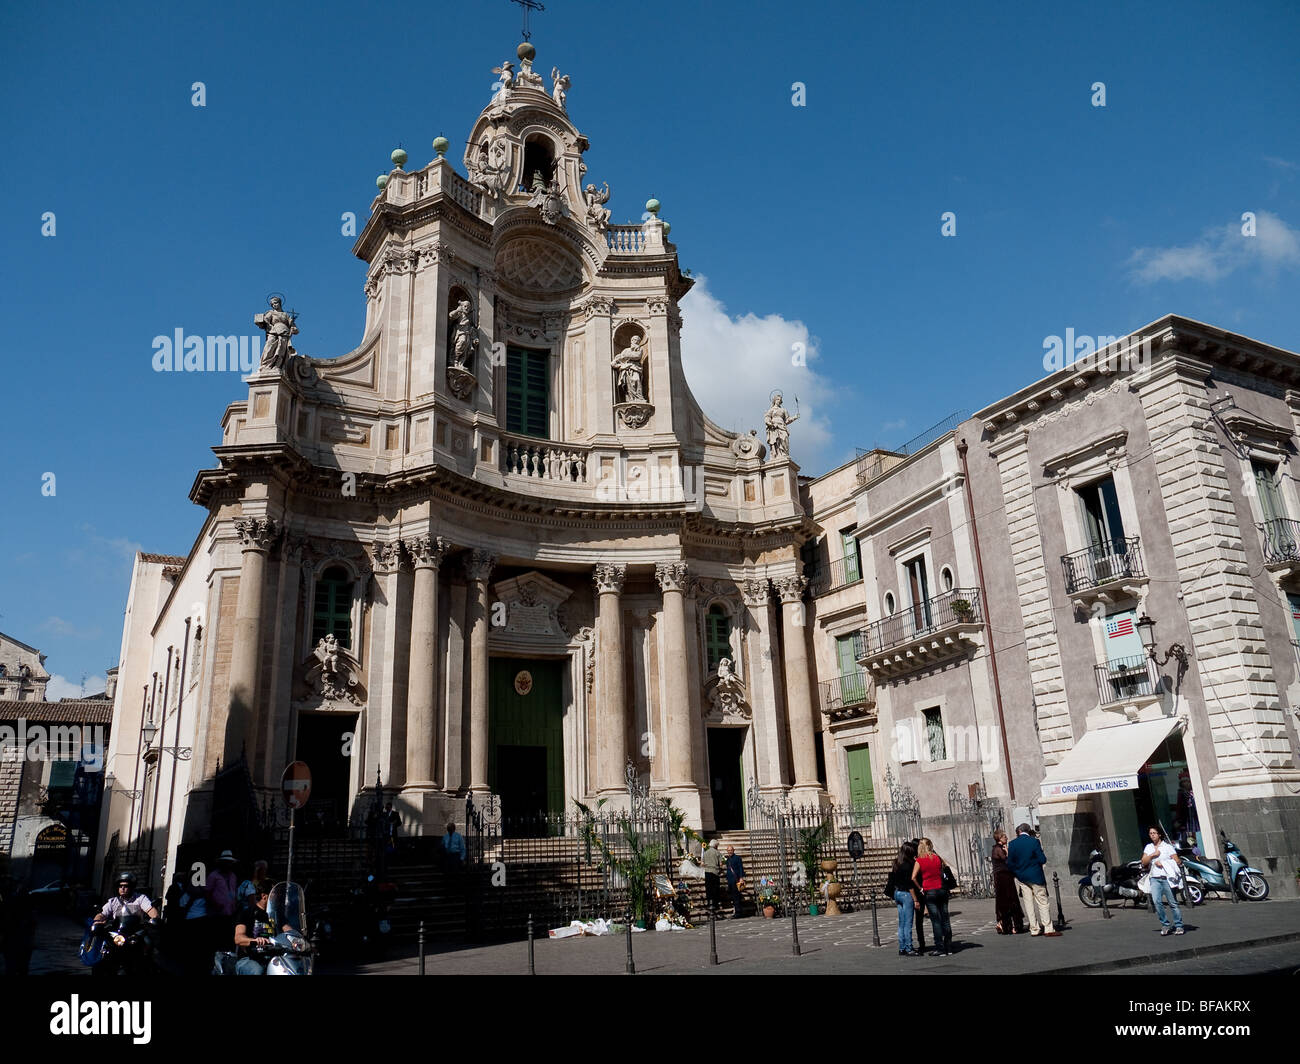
[[769, 897], [636, 864], [962, 609], [811, 841]]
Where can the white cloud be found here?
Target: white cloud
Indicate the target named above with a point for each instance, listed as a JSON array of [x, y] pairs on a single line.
[[60, 687], [734, 364], [59, 626], [1221, 250]]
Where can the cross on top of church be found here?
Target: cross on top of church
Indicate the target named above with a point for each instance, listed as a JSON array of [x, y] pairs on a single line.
[[528, 5]]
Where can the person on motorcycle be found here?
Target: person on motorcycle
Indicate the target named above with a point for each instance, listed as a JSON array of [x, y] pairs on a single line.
[[1166, 870], [127, 898], [253, 930]]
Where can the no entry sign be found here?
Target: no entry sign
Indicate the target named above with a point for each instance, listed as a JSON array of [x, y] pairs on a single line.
[[296, 784]]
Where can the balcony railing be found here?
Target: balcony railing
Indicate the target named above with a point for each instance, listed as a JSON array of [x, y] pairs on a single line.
[[840, 573], [961, 605], [1116, 559], [1123, 679], [1281, 541], [524, 456], [848, 690]]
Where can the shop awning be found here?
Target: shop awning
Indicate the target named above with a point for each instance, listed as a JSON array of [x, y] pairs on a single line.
[[1108, 759]]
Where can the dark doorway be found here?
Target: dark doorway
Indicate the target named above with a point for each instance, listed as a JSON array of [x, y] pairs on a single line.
[[521, 782], [726, 777], [322, 740]]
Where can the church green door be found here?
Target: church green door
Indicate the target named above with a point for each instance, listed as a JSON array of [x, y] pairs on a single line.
[[861, 793], [526, 736]]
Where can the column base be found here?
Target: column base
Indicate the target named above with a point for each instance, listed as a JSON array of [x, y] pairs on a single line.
[[687, 799], [810, 794], [427, 809]]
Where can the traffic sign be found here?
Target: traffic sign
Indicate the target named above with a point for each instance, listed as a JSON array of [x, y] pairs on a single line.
[[296, 784]]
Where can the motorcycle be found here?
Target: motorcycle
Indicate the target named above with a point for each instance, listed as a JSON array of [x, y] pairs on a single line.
[[1119, 882], [121, 947], [289, 951], [1208, 873]]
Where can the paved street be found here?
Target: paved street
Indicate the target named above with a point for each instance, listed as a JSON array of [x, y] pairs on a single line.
[[1129, 941]]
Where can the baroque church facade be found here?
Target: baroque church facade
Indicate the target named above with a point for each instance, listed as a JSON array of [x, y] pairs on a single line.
[[497, 548]]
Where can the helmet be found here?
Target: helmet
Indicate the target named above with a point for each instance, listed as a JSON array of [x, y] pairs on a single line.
[[128, 878]]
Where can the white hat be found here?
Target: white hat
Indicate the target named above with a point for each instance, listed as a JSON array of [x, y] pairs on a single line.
[[226, 855]]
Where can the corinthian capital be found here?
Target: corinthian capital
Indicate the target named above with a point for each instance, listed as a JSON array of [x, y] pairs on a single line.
[[256, 533], [672, 576], [790, 588], [756, 592], [425, 551], [387, 557], [479, 565], [609, 578]]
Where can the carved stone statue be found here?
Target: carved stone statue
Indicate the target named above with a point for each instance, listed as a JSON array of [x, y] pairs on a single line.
[[548, 199], [492, 174], [778, 422], [560, 87], [327, 653], [597, 213], [630, 365], [463, 339], [279, 326], [506, 82], [728, 696]]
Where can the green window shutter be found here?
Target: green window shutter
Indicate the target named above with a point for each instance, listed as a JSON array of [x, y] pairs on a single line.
[[333, 608], [852, 567], [717, 636], [1270, 499], [528, 392]]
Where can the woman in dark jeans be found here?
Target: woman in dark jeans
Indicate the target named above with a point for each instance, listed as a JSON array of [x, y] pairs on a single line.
[[1011, 921], [928, 876], [899, 887]]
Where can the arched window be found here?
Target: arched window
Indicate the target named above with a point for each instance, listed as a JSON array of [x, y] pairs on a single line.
[[539, 158], [717, 635], [333, 612], [889, 603], [948, 582]]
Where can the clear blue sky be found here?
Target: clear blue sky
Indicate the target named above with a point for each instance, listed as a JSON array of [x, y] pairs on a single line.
[[828, 215]]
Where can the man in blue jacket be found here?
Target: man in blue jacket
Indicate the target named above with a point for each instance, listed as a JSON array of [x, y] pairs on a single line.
[[1025, 860]]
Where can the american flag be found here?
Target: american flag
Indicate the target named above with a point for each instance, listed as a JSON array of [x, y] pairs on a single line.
[[1121, 627]]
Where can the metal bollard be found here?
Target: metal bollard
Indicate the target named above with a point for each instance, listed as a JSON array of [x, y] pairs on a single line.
[[631, 966], [1060, 912], [713, 938], [794, 926], [875, 921], [421, 947], [532, 966]]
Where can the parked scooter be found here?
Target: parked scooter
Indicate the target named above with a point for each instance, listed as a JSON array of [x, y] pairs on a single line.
[[1206, 874], [289, 951], [1119, 882]]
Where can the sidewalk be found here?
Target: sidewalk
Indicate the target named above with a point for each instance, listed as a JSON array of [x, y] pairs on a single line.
[[842, 945]]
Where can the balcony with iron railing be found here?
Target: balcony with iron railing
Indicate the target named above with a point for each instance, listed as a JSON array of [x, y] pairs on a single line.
[[929, 631], [1123, 680], [1098, 567], [1281, 538], [841, 573], [849, 696]]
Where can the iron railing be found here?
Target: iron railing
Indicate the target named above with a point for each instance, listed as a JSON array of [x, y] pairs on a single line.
[[871, 463], [1124, 678], [961, 605], [1281, 540], [855, 688], [842, 572], [1116, 559]]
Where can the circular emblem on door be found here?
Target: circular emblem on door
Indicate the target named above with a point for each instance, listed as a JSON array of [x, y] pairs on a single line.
[[523, 681]]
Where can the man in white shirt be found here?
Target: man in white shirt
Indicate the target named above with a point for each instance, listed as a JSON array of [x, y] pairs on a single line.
[[1166, 872]]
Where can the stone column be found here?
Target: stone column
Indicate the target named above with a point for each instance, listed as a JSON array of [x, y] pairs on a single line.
[[611, 708], [426, 556], [672, 577], [478, 567], [798, 698], [274, 745], [256, 536], [763, 677]]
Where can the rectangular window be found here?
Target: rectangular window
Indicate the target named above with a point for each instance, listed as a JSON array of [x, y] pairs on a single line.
[[528, 392], [717, 636], [1271, 507], [852, 563], [918, 586], [853, 681], [934, 734], [1123, 643], [1101, 519]]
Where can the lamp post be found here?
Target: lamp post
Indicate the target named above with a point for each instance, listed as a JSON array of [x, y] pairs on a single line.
[[1147, 630]]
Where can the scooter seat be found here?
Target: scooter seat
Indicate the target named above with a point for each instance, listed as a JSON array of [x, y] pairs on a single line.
[[1214, 863]]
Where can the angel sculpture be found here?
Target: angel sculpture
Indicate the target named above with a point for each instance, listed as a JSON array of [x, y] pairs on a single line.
[[492, 174], [327, 653], [597, 213], [505, 82], [548, 199], [560, 90]]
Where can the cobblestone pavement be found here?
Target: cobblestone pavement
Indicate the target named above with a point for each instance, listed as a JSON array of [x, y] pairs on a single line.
[[843, 945]]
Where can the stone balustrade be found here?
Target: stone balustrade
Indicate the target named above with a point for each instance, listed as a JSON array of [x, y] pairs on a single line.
[[523, 456]]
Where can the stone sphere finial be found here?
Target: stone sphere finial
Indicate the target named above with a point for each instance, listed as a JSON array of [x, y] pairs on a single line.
[[526, 51], [667, 228], [398, 157], [381, 181], [652, 205], [440, 145]]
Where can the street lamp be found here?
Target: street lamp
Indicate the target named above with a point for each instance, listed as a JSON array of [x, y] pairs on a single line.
[[1147, 629]]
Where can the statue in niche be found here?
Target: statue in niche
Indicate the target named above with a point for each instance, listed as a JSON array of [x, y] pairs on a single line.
[[278, 324], [560, 88], [729, 694], [493, 171], [463, 340], [548, 199], [630, 366], [597, 213], [778, 422]]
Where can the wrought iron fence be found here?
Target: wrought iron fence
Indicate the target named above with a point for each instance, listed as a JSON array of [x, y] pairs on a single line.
[[1124, 678], [842, 572], [872, 463], [1116, 559], [961, 605], [1281, 540], [974, 817]]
